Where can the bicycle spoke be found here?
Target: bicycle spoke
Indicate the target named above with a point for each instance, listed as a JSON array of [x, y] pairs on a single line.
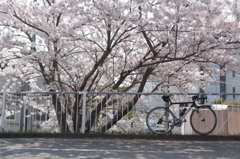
[[203, 120], [160, 121]]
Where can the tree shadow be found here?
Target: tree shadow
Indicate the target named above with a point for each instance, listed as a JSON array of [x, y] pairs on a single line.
[[45, 148]]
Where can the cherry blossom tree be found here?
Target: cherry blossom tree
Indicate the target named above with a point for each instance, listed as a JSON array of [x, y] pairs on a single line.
[[110, 46]]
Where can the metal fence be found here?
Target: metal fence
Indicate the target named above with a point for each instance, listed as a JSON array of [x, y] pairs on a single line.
[[103, 112]]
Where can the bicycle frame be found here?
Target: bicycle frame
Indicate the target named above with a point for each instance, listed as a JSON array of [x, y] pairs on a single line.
[[193, 104]]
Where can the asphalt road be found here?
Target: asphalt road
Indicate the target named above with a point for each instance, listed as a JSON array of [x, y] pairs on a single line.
[[56, 148]]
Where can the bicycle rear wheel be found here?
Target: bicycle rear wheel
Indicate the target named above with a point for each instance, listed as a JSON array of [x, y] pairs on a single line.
[[203, 120], [160, 121]]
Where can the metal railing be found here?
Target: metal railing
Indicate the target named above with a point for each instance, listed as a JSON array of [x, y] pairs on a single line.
[[102, 112]]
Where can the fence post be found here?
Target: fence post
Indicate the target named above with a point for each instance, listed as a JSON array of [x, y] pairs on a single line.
[[84, 105], [3, 112]]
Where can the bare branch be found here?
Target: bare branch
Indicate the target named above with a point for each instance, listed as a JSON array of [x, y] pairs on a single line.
[[30, 25]]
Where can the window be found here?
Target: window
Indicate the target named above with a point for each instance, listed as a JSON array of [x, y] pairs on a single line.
[[233, 73], [10, 114], [233, 91], [10, 117], [40, 116]]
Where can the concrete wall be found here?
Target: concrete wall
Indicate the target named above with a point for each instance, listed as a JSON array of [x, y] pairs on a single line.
[[233, 120], [222, 123], [228, 122]]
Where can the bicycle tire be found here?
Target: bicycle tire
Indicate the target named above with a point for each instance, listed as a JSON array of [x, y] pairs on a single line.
[[203, 120], [162, 125]]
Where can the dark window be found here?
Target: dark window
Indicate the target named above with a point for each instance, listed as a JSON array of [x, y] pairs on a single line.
[[11, 113], [233, 91], [11, 117], [223, 82], [40, 116]]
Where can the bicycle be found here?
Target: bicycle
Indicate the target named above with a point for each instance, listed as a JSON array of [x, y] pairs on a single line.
[[161, 120]]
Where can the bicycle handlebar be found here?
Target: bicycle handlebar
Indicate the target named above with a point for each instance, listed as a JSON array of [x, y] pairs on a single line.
[[166, 98], [197, 98]]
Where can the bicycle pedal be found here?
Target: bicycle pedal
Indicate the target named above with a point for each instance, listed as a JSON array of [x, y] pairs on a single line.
[[184, 120]]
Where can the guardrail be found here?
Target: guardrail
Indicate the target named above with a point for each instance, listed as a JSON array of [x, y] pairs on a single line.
[[102, 112]]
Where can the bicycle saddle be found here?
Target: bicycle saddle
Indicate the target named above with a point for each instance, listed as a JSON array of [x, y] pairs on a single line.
[[166, 98], [194, 98]]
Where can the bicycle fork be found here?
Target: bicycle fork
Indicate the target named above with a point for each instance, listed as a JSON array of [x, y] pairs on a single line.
[[200, 115]]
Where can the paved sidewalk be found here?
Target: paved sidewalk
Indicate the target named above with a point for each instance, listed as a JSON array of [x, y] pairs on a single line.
[[115, 148]]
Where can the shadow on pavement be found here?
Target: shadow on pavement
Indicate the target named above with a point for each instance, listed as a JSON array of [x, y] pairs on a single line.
[[93, 147]]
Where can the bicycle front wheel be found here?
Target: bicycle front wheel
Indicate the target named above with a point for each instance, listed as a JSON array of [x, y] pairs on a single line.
[[160, 121], [203, 120]]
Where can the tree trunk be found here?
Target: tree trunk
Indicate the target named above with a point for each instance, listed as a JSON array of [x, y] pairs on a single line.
[[96, 112], [76, 114], [130, 106], [121, 113], [60, 113]]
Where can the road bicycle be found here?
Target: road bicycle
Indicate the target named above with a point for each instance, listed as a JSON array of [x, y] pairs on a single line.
[[161, 120]]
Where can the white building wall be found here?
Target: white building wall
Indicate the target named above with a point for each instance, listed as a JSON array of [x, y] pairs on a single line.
[[232, 85]]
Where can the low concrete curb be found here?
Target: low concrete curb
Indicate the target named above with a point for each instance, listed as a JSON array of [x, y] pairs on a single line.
[[128, 137]]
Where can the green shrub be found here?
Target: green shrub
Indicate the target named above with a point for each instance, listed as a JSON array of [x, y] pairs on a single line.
[[218, 101], [222, 101]]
